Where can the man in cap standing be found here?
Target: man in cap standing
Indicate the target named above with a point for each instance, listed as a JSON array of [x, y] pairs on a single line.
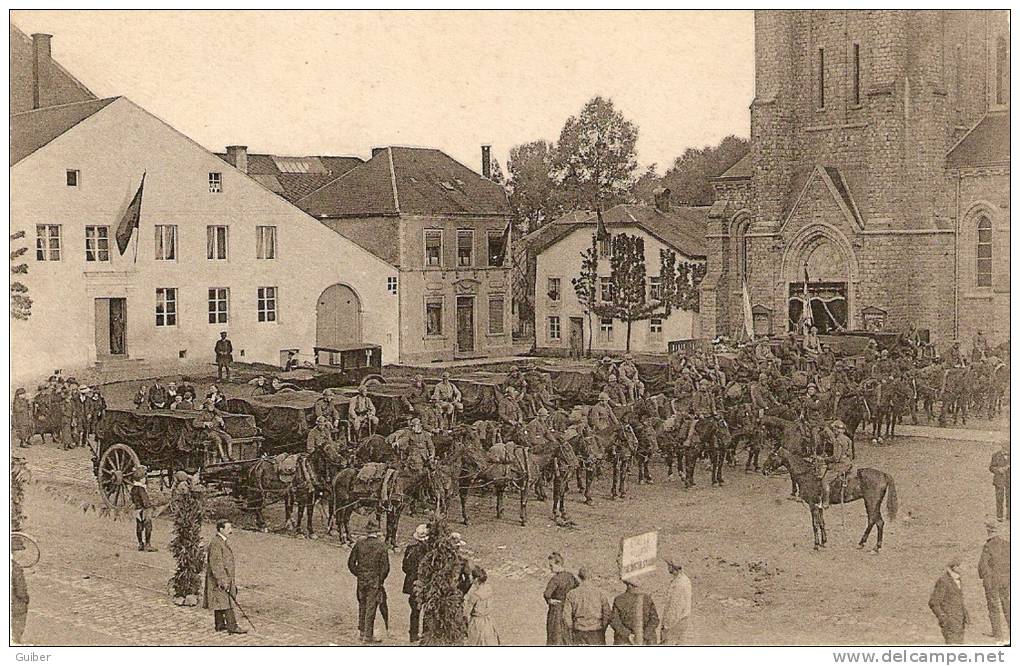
[[601, 416], [946, 603], [634, 618], [993, 569], [224, 351], [412, 558], [370, 564], [676, 613]]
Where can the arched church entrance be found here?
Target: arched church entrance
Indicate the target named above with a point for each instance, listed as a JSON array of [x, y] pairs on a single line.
[[819, 290]]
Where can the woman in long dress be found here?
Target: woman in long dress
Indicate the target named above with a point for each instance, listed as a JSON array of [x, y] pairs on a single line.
[[478, 611]]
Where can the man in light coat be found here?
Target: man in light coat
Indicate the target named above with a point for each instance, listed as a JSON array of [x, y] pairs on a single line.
[[220, 588], [993, 569], [676, 611]]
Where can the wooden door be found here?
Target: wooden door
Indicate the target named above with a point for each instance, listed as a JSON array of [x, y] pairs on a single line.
[[338, 318], [465, 324]]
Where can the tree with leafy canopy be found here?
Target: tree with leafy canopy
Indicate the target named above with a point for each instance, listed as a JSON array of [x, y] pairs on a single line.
[[595, 157], [496, 172], [690, 177], [440, 598], [586, 284], [21, 304], [680, 283], [531, 190], [187, 504]]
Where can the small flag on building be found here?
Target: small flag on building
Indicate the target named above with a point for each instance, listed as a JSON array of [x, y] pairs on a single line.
[[499, 256], [129, 221]]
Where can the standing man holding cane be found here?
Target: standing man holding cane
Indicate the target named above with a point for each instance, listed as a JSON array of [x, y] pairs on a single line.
[[220, 588]]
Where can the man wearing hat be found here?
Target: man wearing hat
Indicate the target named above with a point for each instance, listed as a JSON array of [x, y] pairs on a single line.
[[447, 397], [417, 397], [82, 415], [604, 369], [629, 376], [946, 602], [143, 509], [224, 351], [676, 611], [601, 416], [320, 437], [839, 462], [361, 410], [515, 378], [634, 619], [412, 557], [509, 408], [1000, 480], [814, 412], [993, 569], [220, 588], [370, 563]]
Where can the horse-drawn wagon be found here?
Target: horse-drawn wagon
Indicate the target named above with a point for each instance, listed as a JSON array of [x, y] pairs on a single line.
[[166, 442]]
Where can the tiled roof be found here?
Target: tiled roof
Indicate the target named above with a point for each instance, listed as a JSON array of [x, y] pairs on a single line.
[[396, 180], [380, 236], [986, 144], [742, 169], [296, 177], [58, 85], [32, 130], [682, 227]]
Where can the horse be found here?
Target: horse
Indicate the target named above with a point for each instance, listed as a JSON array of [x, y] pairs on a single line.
[[557, 461], [957, 384], [378, 449], [502, 466], [620, 444], [590, 454], [713, 437], [675, 442], [871, 485], [852, 409], [744, 432], [893, 401], [926, 391], [793, 436], [998, 381], [347, 495], [269, 480]]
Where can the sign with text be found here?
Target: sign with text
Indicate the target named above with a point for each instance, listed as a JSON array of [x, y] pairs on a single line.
[[638, 554]]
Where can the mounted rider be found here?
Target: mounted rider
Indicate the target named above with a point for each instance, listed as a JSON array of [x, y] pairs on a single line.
[[617, 393], [601, 416], [814, 412], [604, 369], [839, 462], [361, 410], [447, 397], [509, 409], [320, 438], [630, 378], [954, 357], [419, 451], [417, 397]]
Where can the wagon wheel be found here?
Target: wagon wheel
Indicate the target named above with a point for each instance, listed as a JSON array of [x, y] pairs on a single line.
[[115, 471], [369, 380], [24, 550]]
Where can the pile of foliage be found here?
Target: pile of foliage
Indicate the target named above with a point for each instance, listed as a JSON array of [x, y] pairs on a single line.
[[19, 479], [442, 602], [187, 505]]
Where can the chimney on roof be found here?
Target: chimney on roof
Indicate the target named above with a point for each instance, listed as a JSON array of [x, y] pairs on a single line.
[[662, 199], [377, 150], [40, 55], [238, 156], [487, 161]]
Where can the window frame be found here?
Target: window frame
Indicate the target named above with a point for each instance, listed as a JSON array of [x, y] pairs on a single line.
[[605, 289], [502, 314], [436, 302], [159, 242], [211, 249], [436, 233], [983, 278], [167, 302], [549, 291], [264, 313], [470, 235], [820, 79], [77, 177], [605, 329], [553, 324], [654, 334], [655, 287], [498, 236], [94, 245], [49, 245], [261, 245], [215, 182], [605, 247], [213, 301], [392, 284]]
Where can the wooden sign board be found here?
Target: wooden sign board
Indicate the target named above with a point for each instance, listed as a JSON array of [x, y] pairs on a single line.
[[638, 554]]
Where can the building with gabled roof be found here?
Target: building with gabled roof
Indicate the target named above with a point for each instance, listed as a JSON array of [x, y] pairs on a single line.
[[877, 181], [444, 226], [36, 79], [291, 177]]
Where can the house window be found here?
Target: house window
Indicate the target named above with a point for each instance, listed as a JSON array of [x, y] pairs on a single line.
[[265, 242], [606, 329], [497, 253], [554, 329], [219, 305], [166, 306], [215, 182], [742, 243], [605, 246], [97, 243], [391, 284], [553, 289], [1002, 71], [984, 252], [606, 289], [434, 317], [857, 74], [266, 303], [655, 328], [73, 177], [465, 243], [433, 247], [47, 242], [655, 288], [821, 78], [216, 242], [166, 242], [496, 315]]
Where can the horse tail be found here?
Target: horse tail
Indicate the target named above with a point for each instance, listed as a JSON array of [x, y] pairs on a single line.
[[892, 502]]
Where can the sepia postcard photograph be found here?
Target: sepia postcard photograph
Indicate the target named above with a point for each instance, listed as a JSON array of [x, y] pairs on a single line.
[[517, 327]]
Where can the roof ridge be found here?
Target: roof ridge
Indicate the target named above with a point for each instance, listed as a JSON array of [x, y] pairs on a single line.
[[66, 104], [968, 132]]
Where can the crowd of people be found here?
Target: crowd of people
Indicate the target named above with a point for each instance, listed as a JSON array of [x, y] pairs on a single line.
[[64, 409]]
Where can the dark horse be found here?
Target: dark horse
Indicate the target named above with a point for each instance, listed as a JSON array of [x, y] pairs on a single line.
[[869, 484], [503, 466], [590, 455], [348, 496], [620, 444], [269, 480], [957, 385]]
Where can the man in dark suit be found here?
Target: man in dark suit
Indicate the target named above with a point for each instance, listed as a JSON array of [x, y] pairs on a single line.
[[370, 563], [634, 619], [220, 589], [993, 568], [412, 557], [1000, 481], [224, 355], [947, 603], [82, 415]]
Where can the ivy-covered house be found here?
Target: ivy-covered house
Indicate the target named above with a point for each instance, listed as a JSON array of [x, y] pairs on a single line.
[[670, 305]]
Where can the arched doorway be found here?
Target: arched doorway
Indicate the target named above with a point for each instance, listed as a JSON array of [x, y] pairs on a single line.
[[338, 317], [820, 273]]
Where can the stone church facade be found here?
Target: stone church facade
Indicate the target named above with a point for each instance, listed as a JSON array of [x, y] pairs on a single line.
[[876, 191]]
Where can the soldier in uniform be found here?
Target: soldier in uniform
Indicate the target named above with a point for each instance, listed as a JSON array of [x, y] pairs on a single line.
[[516, 379], [683, 389], [417, 396], [1000, 480], [629, 377], [617, 393], [814, 413], [447, 397], [224, 352], [601, 416], [320, 437], [419, 456], [790, 352], [603, 370], [509, 408], [216, 433], [361, 410], [954, 357], [839, 462], [325, 409]]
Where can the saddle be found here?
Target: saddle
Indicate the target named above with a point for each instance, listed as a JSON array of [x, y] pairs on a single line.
[[285, 466], [374, 479]]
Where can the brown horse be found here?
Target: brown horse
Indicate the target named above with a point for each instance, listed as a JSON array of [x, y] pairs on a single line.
[[869, 484], [503, 466]]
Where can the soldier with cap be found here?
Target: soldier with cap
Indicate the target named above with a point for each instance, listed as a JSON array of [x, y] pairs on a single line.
[[629, 377], [604, 369], [601, 416], [412, 558], [839, 462], [509, 409], [417, 397], [617, 393], [448, 399], [634, 619], [143, 509], [1000, 481], [361, 411], [224, 351]]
